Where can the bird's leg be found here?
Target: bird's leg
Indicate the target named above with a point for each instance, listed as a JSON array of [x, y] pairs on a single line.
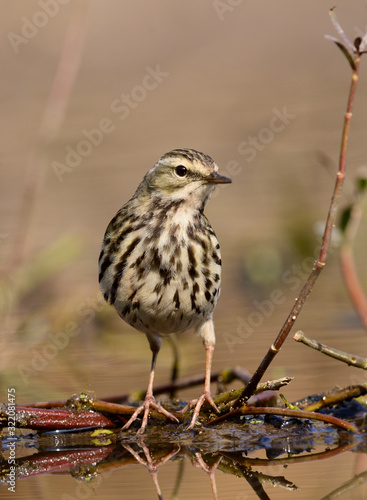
[[206, 396], [175, 366], [149, 400], [206, 332]]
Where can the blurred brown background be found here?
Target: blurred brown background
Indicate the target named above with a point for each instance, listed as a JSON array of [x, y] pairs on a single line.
[[225, 72]]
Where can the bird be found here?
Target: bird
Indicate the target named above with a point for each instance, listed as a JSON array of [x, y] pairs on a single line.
[[160, 262]]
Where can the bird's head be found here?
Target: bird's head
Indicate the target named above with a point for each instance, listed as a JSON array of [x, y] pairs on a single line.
[[183, 174]]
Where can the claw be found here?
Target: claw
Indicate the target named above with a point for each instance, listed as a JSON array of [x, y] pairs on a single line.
[[205, 397], [148, 403]]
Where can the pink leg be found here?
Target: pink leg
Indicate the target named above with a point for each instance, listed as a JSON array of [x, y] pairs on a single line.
[[149, 401], [209, 349]]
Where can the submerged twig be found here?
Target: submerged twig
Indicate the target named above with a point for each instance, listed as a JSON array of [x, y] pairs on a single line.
[[285, 412], [337, 397]]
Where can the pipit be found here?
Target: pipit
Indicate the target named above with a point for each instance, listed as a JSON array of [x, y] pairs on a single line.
[[160, 263]]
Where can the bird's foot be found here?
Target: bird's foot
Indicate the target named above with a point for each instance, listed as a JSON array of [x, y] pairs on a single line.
[[205, 397], [145, 407]]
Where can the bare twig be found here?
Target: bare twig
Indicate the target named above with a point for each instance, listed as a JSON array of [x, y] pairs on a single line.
[[266, 388], [320, 262], [350, 359]]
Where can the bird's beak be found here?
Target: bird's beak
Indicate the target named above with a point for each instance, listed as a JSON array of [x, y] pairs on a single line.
[[215, 178]]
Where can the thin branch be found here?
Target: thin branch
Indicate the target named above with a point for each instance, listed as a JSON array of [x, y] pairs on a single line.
[[268, 388], [320, 262], [285, 412], [345, 357]]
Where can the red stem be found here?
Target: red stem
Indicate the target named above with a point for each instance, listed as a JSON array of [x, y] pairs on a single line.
[[320, 262]]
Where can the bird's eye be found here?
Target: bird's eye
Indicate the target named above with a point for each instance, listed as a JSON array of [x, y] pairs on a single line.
[[181, 171]]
